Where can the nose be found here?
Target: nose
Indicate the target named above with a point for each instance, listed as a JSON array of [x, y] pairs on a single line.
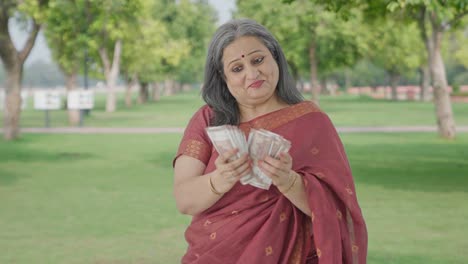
[[252, 73]]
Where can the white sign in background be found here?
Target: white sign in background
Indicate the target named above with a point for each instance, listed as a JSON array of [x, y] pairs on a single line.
[[47, 100], [80, 99], [24, 99]]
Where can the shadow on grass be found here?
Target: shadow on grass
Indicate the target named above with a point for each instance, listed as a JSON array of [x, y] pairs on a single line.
[[8, 157], [8, 177], [29, 155], [421, 167]]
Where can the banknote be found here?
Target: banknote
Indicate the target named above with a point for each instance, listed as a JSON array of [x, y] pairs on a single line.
[[225, 138], [260, 143], [264, 143]]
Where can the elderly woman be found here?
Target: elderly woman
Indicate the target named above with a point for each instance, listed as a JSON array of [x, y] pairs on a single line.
[[310, 214]]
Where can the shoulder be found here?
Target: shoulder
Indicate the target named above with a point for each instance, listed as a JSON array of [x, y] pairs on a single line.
[[305, 109], [204, 114], [309, 106], [312, 112]]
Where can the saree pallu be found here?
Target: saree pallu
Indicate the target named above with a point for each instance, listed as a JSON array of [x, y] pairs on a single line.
[[251, 225]]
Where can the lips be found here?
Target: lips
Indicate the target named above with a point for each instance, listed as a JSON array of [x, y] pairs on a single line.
[[256, 84]]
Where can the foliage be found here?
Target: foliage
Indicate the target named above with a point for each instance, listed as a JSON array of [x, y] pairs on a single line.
[[396, 47], [66, 34], [339, 42], [170, 41], [195, 22]]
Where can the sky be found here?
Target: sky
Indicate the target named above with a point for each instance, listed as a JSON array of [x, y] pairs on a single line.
[[42, 52]]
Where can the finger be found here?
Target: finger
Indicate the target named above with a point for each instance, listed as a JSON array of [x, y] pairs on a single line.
[[281, 167], [242, 168], [274, 162], [234, 165], [230, 153], [225, 156], [269, 170], [285, 157]]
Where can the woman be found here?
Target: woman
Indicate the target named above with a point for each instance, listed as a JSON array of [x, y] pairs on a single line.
[[310, 214]]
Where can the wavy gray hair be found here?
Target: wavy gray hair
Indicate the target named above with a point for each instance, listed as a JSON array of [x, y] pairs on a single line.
[[215, 91]]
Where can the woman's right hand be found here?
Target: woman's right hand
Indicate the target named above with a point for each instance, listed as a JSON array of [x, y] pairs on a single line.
[[227, 172]]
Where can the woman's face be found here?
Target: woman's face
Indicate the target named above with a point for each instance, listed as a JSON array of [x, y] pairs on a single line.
[[251, 71]]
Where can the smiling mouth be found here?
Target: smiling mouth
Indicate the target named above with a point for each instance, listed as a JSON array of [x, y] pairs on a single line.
[[256, 84]]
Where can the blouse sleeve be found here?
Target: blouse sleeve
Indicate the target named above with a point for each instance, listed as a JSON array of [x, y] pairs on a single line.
[[195, 142]]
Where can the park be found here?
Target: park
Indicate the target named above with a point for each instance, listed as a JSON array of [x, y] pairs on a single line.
[[94, 184]]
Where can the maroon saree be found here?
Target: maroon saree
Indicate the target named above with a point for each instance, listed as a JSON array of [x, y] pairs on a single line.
[[251, 225]]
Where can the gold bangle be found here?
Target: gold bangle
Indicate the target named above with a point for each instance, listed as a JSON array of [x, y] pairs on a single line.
[[292, 184], [213, 189]]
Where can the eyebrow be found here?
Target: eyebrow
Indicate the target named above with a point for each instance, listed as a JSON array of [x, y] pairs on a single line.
[[246, 55]]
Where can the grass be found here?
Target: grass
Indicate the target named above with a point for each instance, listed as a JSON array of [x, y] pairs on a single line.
[[175, 111], [108, 198]]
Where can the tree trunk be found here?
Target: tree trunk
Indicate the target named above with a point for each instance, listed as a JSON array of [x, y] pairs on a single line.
[[12, 109], [314, 83], [425, 83], [443, 105], [13, 61], [394, 80], [143, 95], [186, 87], [131, 82], [347, 74], [111, 73], [168, 87], [70, 84], [156, 92]]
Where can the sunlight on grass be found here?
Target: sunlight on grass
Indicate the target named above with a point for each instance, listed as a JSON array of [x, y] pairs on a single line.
[[108, 198]]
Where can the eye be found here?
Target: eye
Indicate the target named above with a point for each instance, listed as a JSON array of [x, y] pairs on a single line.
[[237, 69], [258, 60]]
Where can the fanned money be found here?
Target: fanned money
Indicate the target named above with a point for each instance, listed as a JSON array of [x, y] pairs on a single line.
[[260, 143], [225, 138]]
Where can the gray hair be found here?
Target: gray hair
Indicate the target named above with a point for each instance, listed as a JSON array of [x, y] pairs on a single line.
[[215, 91]]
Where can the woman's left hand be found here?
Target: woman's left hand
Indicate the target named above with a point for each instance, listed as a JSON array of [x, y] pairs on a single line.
[[279, 170]]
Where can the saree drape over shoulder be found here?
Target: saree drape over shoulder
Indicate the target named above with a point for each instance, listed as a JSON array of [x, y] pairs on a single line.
[[251, 225]]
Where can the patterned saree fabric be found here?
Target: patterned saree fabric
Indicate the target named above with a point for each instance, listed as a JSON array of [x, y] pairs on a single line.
[[252, 225]]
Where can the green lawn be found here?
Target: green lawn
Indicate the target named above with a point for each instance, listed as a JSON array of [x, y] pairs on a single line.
[[175, 111], [108, 198]]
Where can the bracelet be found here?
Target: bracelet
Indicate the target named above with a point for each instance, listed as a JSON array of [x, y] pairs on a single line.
[[292, 184], [213, 189]]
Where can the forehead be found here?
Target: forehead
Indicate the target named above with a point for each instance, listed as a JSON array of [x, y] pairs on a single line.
[[242, 46]]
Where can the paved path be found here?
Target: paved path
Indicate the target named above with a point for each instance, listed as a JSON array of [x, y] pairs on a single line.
[[147, 130]]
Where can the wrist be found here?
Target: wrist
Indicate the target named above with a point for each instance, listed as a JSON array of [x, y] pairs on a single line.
[[292, 181], [213, 188]]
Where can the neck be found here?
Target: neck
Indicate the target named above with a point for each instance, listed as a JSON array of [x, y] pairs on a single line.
[[249, 112]]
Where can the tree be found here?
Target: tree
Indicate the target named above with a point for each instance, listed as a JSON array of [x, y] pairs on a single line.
[[32, 12], [109, 24], [145, 48], [195, 21], [434, 17], [65, 34], [441, 16], [322, 41], [396, 48]]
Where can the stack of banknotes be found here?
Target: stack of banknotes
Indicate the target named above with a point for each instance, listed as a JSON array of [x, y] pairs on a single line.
[[260, 143]]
